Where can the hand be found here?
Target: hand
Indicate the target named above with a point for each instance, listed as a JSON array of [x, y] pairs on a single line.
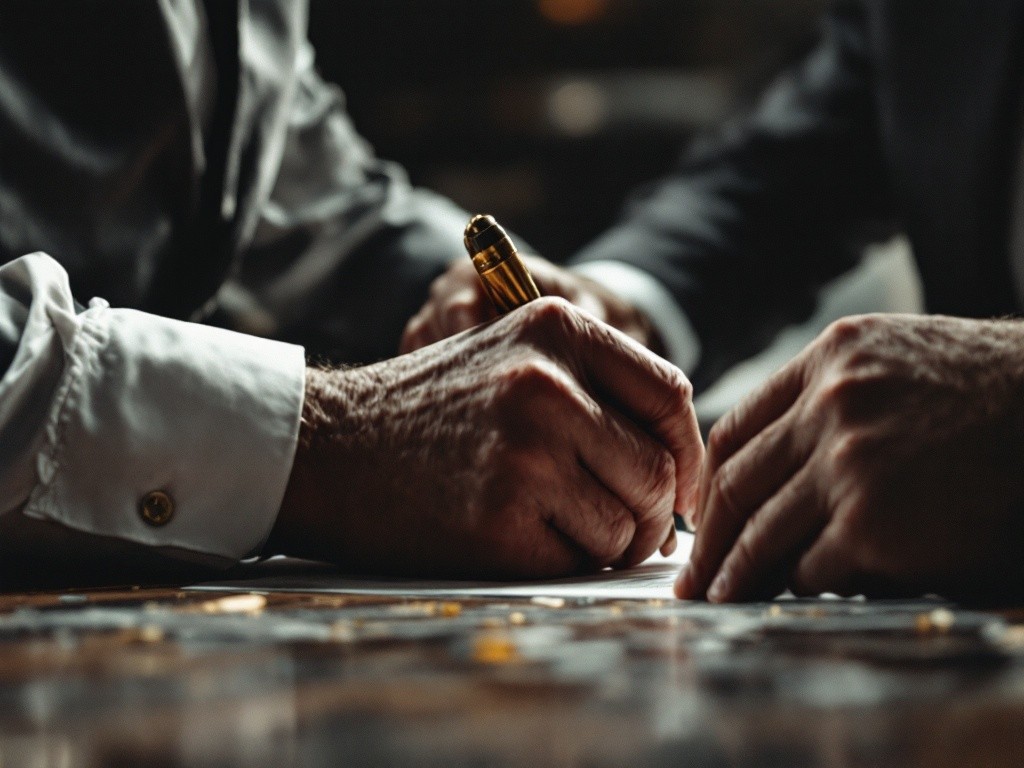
[[543, 444], [886, 459], [457, 302]]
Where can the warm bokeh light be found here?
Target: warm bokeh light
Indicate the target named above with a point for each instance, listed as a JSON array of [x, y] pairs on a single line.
[[572, 12], [578, 108]]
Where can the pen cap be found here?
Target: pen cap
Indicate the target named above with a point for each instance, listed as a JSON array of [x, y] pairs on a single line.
[[505, 278], [485, 237]]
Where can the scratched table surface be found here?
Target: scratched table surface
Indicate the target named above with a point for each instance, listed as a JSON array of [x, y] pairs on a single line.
[[168, 677]]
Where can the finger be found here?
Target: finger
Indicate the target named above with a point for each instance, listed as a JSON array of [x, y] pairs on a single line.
[[649, 391], [462, 310], [691, 516], [458, 311], [413, 335], [736, 490], [571, 440], [771, 543], [671, 542], [634, 467], [747, 419], [594, 519], [551, 553], [826, 566]]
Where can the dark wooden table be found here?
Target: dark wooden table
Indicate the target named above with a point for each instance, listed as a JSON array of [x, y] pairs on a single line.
[[169, 677]]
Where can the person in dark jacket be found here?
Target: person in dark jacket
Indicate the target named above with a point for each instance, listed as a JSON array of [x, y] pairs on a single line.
[[887, 457]]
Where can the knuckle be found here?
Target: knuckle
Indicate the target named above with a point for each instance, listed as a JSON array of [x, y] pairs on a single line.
[[861, 357], [844, 393], [549, 315], [680, 391], [534, 378], [848, 452], [850, 337], [723, 488], [720, 437], [844, 331]]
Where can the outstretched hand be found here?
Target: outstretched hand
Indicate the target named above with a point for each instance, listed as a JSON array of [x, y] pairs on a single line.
[[886, 459]]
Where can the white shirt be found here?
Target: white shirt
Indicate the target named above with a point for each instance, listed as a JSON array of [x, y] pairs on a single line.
[[330, 247], [102, 407]]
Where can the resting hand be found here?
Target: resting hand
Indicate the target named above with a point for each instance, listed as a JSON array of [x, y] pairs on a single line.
[[543, 444], [886, 459], [457, 302]]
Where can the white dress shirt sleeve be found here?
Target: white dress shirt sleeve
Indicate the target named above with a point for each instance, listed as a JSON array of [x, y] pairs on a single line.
[[101, 408], [646, 293]]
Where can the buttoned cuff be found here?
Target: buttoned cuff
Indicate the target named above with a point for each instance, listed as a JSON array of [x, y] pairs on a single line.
[[170, 434], [646, 293]]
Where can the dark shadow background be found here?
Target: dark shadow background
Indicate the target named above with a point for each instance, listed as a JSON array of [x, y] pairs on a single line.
[[547, 112]]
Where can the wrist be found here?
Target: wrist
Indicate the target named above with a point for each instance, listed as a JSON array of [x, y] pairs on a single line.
[[326, 415]]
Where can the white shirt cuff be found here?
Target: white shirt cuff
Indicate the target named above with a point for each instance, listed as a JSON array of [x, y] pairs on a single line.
[[207, 416], [646, 293]]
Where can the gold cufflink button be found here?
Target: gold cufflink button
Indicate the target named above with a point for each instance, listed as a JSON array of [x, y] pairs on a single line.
[[157, 508]]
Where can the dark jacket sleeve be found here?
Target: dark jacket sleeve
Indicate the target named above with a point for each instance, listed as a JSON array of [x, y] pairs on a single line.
[[757, 218]]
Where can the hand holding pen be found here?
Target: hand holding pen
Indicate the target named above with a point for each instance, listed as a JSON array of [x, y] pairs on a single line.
[[498, 283]]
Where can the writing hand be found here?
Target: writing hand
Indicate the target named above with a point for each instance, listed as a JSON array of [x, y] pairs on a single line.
[[543, 444]]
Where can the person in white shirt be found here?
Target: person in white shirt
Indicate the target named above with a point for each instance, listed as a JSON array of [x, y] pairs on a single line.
[[885, 459], [183, 161]]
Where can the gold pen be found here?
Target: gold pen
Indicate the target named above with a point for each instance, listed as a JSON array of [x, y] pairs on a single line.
[[506, 279]]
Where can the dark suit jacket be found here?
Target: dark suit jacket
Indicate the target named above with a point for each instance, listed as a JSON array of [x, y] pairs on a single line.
[[905, 116], [275, 212]]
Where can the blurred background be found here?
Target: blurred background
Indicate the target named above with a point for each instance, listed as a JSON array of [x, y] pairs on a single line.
[[547, 112]]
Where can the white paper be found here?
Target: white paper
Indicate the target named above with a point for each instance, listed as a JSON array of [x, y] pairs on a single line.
[[652, 579]]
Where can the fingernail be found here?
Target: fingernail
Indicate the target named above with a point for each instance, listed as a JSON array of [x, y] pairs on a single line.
[[670, 545], [690, 519], [684, 586], [719, 587]]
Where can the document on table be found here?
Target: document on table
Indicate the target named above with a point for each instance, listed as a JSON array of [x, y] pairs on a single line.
[[651, 579]]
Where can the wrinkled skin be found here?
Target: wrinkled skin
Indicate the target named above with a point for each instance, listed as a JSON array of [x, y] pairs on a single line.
[[542, 444], [886, 459], [457, 302]]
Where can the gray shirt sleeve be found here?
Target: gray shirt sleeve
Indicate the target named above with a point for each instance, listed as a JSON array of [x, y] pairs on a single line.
[[346, 247]]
